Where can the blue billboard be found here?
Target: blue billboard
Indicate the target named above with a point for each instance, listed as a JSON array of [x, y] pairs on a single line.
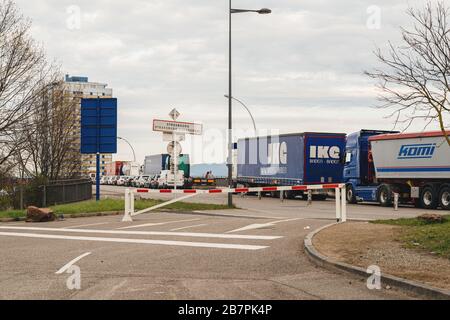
[[99, 125]]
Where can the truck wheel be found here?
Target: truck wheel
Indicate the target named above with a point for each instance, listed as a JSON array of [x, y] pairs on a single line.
[[319, 197], [429, 198], [444, 198], [290, 195], [385, 195], [350, 194], [275, 194]]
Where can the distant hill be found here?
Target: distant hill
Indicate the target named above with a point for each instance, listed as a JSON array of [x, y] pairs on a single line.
[[218, 170]]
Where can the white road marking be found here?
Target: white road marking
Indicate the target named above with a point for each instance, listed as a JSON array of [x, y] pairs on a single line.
[[67, 266], [137, 241], [86, 225], [237, 215], [252, 227], [148, 233], [156, 224], [189, 227], [263, 225], [265, 212]]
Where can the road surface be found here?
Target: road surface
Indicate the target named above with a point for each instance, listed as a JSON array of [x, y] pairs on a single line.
[[255, 252]]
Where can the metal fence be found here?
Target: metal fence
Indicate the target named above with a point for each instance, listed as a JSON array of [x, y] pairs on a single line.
[[66, 191], [29, 193]]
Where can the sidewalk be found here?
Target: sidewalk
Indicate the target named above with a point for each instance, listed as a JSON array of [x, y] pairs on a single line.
[[364, 244]]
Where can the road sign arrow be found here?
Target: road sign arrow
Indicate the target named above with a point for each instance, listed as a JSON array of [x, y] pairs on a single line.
[[174, 114]]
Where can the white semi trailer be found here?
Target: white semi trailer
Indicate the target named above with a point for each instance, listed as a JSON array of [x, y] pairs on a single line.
[[415, 166]]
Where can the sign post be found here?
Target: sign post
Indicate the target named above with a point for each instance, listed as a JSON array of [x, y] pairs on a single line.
[[98, 130], [174, 114], [174, 132]]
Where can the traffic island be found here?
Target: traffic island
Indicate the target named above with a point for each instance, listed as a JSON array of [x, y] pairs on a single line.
[[355, 246]]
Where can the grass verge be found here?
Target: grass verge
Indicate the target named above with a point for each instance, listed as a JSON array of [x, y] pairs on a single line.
[[418, 234], [114, 205]]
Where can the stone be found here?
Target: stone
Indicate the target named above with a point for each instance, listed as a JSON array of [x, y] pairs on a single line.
[[35, 214], [432, 218]]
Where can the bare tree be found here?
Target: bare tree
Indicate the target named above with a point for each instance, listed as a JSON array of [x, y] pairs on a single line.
[[23, 70], [415, 82], [49, 138]]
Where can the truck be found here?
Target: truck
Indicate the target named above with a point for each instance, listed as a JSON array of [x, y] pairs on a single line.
[[114, 168], [291, 159], [414, 166], [155, 164], [131, 169]]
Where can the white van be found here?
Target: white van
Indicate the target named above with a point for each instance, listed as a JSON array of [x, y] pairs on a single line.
[[167, 179]]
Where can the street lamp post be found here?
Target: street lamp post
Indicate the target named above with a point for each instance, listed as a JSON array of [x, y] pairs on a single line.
[[248, 110], [230, 97], [132, 149]]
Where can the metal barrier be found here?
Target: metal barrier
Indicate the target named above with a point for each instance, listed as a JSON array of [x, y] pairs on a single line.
[[341, 202], [66, 191]]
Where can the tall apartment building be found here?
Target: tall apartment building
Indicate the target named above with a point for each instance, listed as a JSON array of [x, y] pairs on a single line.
[[79, 88]]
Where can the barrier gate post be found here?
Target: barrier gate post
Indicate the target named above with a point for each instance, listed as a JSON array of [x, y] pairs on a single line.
[[338, 204], [343, 205], [129, 206]]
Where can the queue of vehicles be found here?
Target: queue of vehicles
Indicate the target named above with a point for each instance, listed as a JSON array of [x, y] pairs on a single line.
[[375, 165], [151, 182]]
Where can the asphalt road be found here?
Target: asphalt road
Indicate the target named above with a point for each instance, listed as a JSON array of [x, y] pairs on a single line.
[[255, 252]]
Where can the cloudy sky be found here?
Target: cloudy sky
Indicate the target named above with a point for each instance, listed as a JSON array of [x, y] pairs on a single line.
[[298, 69]]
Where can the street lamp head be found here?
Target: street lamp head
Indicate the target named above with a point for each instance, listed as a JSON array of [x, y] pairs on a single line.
[[264, 11]]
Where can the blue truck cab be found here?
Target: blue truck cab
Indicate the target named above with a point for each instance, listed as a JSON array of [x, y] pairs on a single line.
[[359, 172]]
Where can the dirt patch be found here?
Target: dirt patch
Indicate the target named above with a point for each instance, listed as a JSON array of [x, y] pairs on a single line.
[[364, 244]]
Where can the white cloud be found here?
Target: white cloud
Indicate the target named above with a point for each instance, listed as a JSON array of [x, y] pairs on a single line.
[[298, 69]]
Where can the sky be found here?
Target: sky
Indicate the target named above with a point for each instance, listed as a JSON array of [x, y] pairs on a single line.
[[298, 69]]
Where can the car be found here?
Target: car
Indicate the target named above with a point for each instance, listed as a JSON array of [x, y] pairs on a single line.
[[154, 184], [150, 183], [113, 180], [122, 181], [104, 180], [141, 181], [129, 182], [135, 181]]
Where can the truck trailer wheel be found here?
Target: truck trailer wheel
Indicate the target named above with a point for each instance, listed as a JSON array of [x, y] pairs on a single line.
[[319, 197], [385, 195], [290, 195], [429, 198], [444, 198], [350, 194]]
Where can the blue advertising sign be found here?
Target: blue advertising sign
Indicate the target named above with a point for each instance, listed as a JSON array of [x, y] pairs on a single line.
[[98, 130], [99, 125]]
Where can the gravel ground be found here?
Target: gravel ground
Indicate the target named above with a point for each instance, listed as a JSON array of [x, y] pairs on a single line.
[[365, 244]]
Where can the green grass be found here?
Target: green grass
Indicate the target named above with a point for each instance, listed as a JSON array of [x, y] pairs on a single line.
[[114, 205], [419, 234]]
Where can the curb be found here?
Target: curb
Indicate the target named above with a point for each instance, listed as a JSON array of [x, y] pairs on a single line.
[[407, 285], [93, 214], [71, 216]]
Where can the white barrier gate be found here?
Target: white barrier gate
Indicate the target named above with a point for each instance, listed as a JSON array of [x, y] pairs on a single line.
[[341, 202]]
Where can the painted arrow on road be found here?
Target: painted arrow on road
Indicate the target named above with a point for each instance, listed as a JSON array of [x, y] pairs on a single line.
[[263, 225]]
